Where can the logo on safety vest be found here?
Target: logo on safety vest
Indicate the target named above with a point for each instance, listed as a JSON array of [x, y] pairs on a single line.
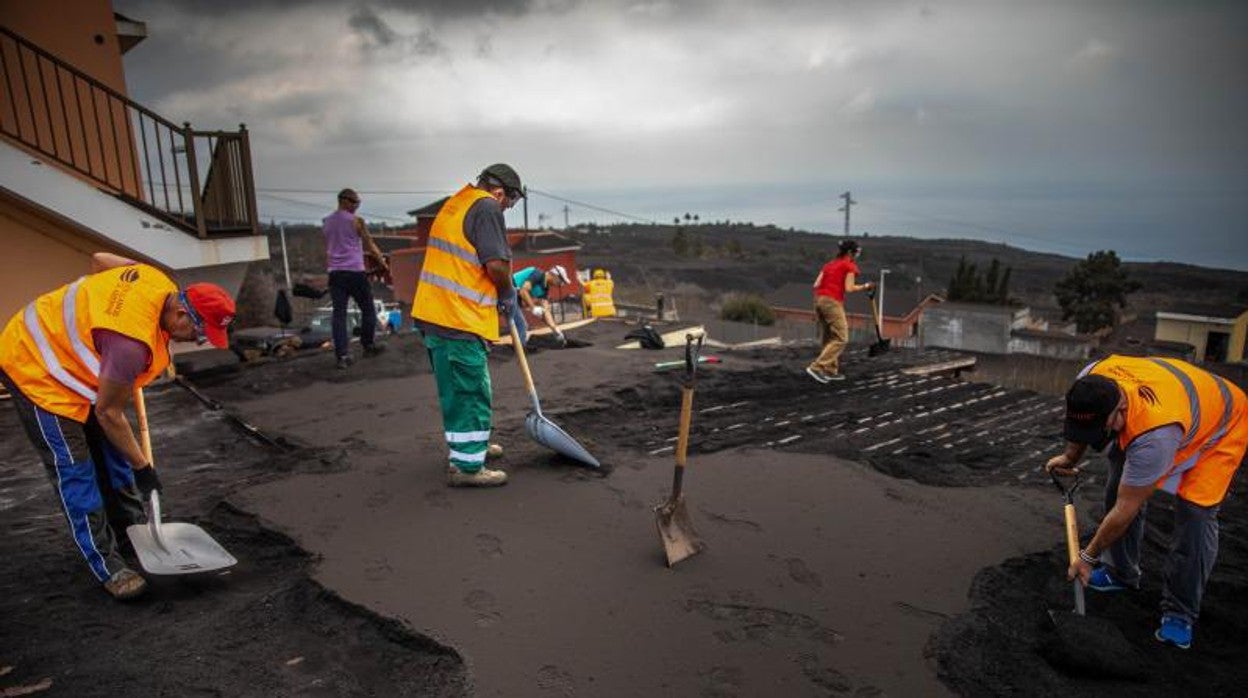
[[130, 275], [1148, 395]]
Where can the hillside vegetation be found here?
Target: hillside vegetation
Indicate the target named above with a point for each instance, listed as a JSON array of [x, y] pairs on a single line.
[[758, 259]]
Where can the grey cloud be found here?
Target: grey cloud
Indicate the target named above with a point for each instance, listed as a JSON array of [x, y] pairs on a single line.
[[366, 22]]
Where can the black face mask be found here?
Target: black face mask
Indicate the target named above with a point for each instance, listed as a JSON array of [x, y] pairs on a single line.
[[1100, 444]]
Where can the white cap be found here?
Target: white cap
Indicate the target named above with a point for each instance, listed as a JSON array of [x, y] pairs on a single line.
[[560, 272]]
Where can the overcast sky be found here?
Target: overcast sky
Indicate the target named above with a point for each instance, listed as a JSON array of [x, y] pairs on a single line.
[[1059, 126]]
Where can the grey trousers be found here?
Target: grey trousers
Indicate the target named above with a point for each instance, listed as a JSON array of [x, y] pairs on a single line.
[[1193, 550]]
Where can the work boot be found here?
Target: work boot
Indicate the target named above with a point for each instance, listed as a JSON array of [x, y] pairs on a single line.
[[373, 350], [482, 478], [494, 451], [126, 584]]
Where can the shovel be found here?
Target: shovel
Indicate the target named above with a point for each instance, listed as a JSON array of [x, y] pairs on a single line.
[[170, 548], [541, 429], [675, 528], [1087, 645], [881, 345], [1072, 534]]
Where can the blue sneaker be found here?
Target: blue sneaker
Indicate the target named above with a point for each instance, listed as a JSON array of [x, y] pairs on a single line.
[[1175, 631], [1101, 580]]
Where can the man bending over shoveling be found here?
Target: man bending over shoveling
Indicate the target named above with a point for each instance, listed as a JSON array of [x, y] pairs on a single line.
[[71, 359], [1169, 426]]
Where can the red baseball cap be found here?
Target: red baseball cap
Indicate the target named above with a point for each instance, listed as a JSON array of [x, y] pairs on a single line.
[[213, 311]]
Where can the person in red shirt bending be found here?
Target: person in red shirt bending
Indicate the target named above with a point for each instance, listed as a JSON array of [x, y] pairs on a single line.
[[837, 278]]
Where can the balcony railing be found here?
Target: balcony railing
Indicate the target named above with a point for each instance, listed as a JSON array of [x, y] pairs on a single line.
[[59, 112]]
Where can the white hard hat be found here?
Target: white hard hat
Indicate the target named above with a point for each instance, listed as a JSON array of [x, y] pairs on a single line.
[[560, 272]]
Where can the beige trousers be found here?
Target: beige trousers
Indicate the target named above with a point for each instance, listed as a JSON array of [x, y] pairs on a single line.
[[833, 333]]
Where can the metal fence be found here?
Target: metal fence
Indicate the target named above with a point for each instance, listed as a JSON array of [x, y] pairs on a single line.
[[52, 108]]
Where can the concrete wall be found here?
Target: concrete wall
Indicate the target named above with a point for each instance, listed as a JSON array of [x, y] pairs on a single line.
[[1055, 348], [965, 326], [1197, 334]]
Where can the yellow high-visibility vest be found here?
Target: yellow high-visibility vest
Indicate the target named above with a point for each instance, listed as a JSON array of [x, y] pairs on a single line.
[[47, 348], [598, 300], [454, 290]]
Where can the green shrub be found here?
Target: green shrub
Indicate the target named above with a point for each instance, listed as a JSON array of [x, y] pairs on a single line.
[[742, 307]]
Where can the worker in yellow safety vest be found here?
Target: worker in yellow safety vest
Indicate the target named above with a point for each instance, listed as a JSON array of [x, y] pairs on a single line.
[[597, 300], [1169, 426], [71, 360], [465, 286]]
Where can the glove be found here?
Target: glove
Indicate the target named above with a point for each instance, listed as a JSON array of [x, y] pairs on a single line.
[[539, 311], [147, 482], [505, 306], [563, 340]]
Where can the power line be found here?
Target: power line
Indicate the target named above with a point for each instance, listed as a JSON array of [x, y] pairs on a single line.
[[371, 192], [590, 206], [321, 207]]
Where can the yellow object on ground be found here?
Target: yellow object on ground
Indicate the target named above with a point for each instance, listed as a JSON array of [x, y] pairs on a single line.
[[598, 301]]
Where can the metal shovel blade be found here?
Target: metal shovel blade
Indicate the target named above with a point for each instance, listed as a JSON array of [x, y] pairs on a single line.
[[676, 531], [548, 434], [175, 548]]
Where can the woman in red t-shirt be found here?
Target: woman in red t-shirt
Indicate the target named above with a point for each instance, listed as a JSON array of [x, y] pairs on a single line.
[[837, 278]]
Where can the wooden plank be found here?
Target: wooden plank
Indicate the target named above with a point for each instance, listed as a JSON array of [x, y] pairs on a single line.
[[960, 364], [670, 339]]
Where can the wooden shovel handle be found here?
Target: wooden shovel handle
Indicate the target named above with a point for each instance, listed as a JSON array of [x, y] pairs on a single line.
[[524, 362], [145, 435], [1072, 534], [686, 415]]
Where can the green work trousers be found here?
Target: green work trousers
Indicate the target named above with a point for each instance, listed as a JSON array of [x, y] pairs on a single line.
[[465, 396]]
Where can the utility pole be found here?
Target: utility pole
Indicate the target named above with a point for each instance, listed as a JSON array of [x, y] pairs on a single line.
[[285, 259], [848, 202], [526, 208], [565, 216]]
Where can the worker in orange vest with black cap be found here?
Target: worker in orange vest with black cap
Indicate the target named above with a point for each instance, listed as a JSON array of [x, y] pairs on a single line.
[[1169, 426], [71, 360]]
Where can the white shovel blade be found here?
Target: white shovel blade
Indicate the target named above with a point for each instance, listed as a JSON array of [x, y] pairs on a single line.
[[187, 549]]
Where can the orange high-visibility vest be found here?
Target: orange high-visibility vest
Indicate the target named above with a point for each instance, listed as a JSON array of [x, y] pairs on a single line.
[[454, 289], [598, 300], [1211, 410], [47, 348]]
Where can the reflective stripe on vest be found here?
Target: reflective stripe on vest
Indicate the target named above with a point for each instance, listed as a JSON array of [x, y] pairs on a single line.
[[483, 298], [469, 256], [50, 362], [70, 306], [1193, 400]]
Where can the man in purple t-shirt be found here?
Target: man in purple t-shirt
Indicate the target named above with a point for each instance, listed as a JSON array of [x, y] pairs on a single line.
[[346, 236]]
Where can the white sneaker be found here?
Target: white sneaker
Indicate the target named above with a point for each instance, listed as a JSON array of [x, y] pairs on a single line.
[[817, 374]]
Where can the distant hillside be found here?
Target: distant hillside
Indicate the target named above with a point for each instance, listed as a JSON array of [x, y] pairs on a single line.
[[759, 259]]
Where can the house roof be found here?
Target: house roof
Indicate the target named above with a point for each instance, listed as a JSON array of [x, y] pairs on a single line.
[[429, 210], [540, 241], [1205, 310]]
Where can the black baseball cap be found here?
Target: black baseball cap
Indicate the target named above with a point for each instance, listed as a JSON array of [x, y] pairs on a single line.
[[506, 177], [1089, 402]]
